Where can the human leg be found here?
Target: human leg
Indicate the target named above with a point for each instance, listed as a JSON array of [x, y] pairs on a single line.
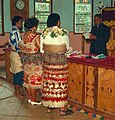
[[33, 99], [16, 85]]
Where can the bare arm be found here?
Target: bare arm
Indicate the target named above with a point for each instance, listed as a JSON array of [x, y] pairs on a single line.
[[41, 45], [38, 41]]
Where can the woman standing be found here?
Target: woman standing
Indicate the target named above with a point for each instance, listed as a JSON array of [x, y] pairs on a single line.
[[54, 43], [31, 59]]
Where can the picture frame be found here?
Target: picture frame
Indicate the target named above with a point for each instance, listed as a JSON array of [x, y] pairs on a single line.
[[83, 13], [1, 18], [42, 9]]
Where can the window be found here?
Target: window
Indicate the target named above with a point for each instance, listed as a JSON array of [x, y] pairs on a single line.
[[42, 10], [82, 16]]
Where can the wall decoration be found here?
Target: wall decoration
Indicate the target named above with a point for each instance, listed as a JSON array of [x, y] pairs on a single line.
[[82, 16], [100, 7], [20, 8], [42, 10]]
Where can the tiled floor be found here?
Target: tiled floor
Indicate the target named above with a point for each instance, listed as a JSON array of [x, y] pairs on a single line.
[[12, 108]]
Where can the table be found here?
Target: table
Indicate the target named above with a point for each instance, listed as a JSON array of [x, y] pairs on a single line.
[[91, 85]]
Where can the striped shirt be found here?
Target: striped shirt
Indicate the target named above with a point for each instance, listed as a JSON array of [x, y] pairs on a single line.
[[15, 38]]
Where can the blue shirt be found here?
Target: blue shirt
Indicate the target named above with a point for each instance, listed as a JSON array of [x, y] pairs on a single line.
[[15, 38]]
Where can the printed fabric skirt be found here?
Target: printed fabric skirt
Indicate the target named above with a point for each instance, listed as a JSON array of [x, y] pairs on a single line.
[[32, 64], [15, 63], [55, 76]]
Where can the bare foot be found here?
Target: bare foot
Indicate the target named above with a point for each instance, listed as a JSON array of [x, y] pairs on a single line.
[[18, 95]]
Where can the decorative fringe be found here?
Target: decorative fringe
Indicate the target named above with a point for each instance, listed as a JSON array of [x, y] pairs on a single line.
[[85, 112], [54, 104]]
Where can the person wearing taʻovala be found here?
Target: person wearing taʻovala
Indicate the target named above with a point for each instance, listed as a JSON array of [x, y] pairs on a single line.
[[15, 61], [31, 59], [54, 44]]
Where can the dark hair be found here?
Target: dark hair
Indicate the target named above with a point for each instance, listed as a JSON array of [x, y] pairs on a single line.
[[53, 20], [16, 19], [31, 22], [98, 15]]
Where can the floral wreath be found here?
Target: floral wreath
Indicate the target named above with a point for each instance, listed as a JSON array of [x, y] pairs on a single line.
[[54, 32]]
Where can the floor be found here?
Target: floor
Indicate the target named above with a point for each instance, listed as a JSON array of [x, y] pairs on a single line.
[[12, 108]]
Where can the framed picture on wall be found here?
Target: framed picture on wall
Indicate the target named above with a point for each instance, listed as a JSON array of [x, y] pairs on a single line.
[[42, 9], [113, 3], [83, 16], [1, 18]]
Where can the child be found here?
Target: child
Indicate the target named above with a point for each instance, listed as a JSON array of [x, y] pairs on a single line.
[[15, 61]]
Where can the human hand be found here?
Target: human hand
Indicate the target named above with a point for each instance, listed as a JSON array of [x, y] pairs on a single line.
[[70, 48], [92, 37]]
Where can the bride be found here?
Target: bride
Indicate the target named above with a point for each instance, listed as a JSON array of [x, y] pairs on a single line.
[[54, 43]]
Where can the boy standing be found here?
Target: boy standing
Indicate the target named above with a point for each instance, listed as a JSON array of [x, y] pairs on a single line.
[[15, 61]]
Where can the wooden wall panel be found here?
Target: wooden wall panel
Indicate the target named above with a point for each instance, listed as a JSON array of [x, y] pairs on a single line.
[[89, 86], [75, 82], [106, 90], [14, 11]]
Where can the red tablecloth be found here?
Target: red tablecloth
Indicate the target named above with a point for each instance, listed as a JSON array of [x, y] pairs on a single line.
[[108, 62]]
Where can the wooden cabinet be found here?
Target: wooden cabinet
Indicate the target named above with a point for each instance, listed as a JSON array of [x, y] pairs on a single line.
[[106, 90], [92, 87], [75, 82]]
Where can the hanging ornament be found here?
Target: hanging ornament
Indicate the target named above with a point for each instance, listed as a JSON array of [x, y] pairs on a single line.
[[100, 7]]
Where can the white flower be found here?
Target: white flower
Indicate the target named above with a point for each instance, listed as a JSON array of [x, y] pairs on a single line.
[[54, 32], [45, 33]]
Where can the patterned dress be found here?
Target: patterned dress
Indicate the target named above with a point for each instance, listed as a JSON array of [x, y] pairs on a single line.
[[55, 69], [31, 59]]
